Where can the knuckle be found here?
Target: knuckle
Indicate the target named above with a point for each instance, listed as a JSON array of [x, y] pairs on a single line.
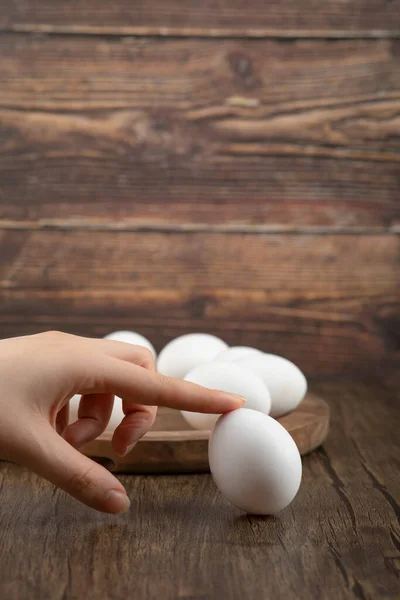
[[147, 358], [54, 337], [81, 481], [142, 419], [52, 334], [163, 389], [149, 415]]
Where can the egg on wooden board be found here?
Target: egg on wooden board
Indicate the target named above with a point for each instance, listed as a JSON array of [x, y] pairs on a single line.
[[285, 382], [131, 337], [73, 408], [116, 416], [231, 378], [186, 352], [235, 353], [254, 462]]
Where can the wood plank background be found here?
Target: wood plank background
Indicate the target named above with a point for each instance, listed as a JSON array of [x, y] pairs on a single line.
[[329, 302], [194, 177], [223, 132], [209, 17]]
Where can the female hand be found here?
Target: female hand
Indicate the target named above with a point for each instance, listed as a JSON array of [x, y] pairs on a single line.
[[39, 374]]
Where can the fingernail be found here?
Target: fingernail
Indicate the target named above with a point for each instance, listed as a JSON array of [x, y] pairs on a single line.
[[137, 435], [128, 449], [236, 397], [230, 396], [117, 502]]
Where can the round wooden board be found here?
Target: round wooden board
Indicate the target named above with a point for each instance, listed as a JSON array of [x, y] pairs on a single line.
[[172, 447]]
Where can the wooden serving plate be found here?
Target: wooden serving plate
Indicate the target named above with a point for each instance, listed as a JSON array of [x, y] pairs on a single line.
[[173, 447]]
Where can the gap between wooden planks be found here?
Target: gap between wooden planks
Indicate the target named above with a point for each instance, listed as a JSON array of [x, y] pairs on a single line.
[[328, 302]]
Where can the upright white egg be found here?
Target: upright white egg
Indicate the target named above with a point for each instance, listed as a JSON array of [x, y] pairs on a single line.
[[131, 337], [230, 378], [186, 352], [285, 382], [236, 353], [254, 462]]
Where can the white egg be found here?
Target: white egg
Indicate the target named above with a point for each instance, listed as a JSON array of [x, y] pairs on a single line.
[[229, 378], [285, 382], [131, 337], [73, 408], [186, 352], [116, 416], [254, 461], [236, 353]]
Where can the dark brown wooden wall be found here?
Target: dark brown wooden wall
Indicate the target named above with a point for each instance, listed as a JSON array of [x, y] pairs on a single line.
[[227, 166]]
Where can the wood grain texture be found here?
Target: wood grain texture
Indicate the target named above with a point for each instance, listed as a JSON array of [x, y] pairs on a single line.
[[339, 540], [172, 446], [226, 133], [330, 303], [208, 18]]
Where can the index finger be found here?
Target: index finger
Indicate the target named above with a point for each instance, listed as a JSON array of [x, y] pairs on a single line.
[[140, 386]]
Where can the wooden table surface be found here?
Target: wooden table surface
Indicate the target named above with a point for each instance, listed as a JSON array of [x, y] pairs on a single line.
[[339, 539]]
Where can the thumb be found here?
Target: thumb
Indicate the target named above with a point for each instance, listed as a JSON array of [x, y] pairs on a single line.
[[49, 455]]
